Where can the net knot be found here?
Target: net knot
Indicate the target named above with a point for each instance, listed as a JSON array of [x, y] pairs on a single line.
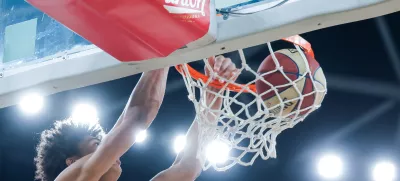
[[191, 97]]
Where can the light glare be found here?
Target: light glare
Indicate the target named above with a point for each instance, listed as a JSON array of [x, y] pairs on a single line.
[[141, 136], [31, 103], [217, 152], [384, 171], [85, 113], [330, 167], [179, 143]]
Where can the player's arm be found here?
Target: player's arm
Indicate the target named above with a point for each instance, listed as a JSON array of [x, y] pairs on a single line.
[[186, 166], [140, 111]]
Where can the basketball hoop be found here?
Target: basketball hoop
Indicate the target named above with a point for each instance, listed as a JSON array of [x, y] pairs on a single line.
[[245, 123], [297, 40]]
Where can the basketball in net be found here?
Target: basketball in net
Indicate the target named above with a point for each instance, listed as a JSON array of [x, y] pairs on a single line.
[[283, 90], [293, 85]]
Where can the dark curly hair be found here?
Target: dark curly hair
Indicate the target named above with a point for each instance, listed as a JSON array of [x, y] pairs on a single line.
[[59, 143]]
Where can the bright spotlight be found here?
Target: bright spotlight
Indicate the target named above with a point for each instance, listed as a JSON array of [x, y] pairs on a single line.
[[217, 152], [179, 144], [330, 167], [141, 136], [85, 113], [384, 171], [31, 103]]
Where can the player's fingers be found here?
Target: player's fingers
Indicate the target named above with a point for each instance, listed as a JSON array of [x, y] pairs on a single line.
[[208, 68], [229, 71], [211, 61], [235, 74], [226, 63], [218, 63]]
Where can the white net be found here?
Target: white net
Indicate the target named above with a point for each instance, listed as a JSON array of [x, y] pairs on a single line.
[[245, 128]]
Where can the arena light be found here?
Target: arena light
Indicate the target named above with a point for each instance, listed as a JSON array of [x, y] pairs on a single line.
[[384, 171], [179, 143], [217, 152], [31, 103], [330, 166], [85, 113], [141, 136]]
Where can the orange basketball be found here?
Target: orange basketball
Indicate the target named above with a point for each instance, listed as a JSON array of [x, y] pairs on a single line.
[[293, 67]]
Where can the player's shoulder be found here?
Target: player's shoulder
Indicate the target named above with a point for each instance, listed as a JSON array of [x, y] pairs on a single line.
[[73, 171]]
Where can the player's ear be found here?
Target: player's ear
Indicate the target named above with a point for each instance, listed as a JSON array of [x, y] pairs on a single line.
[[70, 160]]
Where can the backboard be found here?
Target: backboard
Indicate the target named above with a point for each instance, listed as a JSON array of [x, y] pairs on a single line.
[[39, 54]]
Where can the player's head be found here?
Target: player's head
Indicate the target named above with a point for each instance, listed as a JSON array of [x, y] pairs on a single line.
[[63, 144]]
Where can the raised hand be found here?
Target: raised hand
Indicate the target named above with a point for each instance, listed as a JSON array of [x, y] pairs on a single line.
[[223, 67]]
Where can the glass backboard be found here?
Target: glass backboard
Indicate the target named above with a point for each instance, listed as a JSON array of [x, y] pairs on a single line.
[[28, 36]]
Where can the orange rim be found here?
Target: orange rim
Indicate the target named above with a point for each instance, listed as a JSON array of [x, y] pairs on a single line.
[[296, 39]]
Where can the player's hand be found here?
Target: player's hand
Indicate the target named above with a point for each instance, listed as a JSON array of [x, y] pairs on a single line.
[[224, 67]]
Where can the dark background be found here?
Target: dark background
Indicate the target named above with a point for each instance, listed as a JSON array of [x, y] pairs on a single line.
[[359, 118]]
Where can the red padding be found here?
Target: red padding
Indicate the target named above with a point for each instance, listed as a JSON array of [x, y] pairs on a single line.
[[132, 30]]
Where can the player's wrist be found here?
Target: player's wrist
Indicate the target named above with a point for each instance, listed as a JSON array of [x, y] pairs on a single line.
[[162, 71]]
